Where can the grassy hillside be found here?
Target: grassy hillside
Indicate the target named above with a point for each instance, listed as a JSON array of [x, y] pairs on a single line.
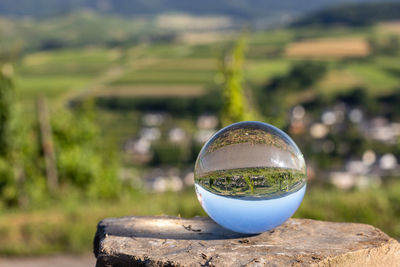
[[69, 31], [149, 67]]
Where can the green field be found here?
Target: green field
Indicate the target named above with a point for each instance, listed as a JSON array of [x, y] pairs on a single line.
[[68, 72]]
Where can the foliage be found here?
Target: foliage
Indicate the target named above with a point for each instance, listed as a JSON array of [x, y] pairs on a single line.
[[301, 76], [6, 99], [272, 98], [360, 206], [82, 162], [19, 176], [389, 46], [234, 105], [167, 153], [194, 106], [82, 159], [353, 15]]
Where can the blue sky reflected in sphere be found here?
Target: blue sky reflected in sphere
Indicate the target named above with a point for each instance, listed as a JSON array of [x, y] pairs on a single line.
[[249, 216]]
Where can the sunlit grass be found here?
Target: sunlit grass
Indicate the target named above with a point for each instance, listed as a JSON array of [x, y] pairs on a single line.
[[69, 225]]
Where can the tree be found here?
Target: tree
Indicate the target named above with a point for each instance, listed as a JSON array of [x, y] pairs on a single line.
[[234, 106], [6, 98], [13, 149]]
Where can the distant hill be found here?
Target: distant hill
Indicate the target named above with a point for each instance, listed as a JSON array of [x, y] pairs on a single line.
[[248, 9], [352, 15]]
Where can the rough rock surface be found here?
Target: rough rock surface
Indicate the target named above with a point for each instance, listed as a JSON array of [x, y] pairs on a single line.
[[171, 241]]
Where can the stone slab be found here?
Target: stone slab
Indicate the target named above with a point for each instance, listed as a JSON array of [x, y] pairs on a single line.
[[172, 241]]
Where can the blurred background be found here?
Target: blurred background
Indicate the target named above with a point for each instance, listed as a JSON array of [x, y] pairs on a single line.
[[105, 104]]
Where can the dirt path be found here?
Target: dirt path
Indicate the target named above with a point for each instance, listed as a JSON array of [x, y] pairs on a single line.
[[50, 261]]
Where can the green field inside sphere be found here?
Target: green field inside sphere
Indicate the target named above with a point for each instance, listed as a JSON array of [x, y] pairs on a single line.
[[253, 183]]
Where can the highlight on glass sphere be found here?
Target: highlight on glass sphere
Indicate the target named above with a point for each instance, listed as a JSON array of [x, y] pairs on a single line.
[[250, 177]]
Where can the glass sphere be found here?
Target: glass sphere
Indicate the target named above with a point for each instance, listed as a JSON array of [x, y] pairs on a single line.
[[250, 177]]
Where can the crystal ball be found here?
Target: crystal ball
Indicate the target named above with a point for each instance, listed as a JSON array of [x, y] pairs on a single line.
[[250, 177]]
